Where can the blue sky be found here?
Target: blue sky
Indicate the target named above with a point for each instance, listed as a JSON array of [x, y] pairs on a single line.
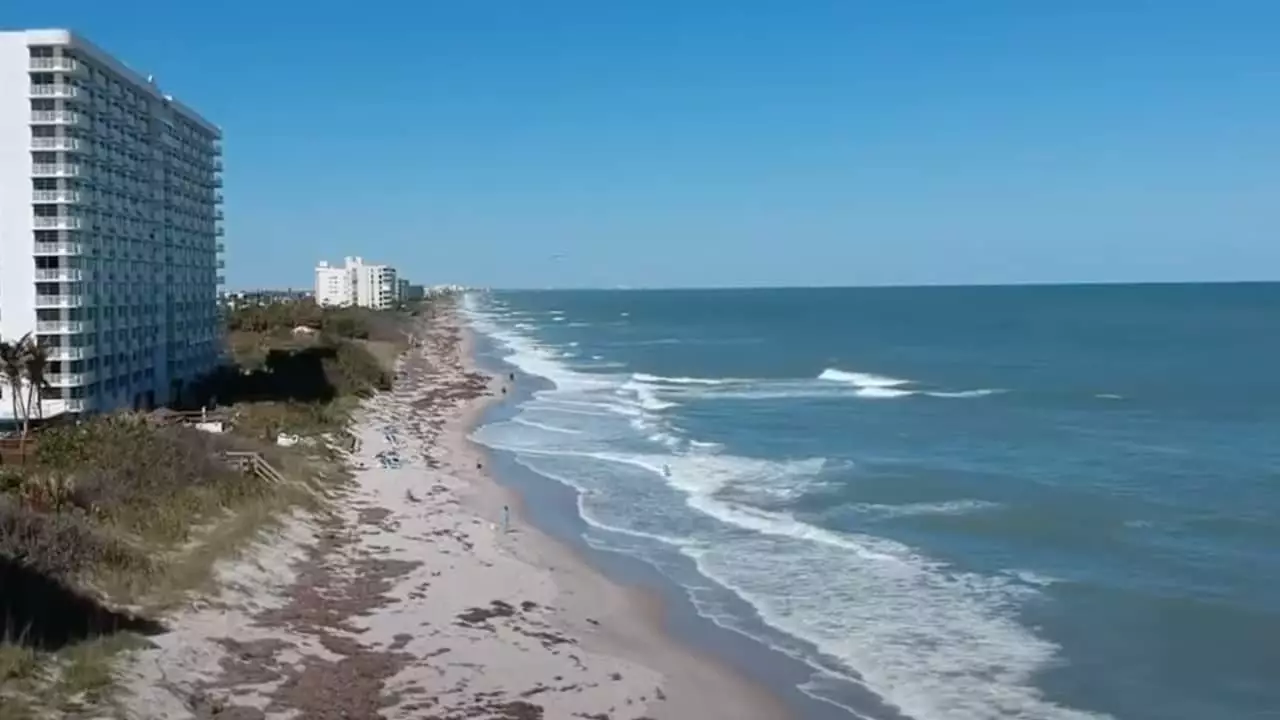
[[535, 143]]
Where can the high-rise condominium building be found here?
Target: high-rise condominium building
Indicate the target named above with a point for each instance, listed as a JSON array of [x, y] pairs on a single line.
[[109, 225], [357, 283]]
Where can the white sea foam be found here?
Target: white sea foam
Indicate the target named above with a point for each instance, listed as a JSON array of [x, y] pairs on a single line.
[[645, 395], [882, 392], [980, 392], [1033, 578], [933, 640], [545, 426], [647, 378], [948, 507], [861, 379]]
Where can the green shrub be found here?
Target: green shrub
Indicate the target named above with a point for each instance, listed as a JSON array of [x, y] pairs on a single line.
[[155, 480], [353, 370], [65, 545]]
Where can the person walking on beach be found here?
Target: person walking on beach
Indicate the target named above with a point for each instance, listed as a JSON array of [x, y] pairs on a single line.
[[506, 519]]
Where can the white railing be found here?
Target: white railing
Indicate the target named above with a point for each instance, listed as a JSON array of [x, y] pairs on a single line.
[[68, 379], [55, 170], [70, 327], [60, 274], [55, 117], [59, 248], [55, 143], [62, 352], [55, 90], [59, 301], [58, 223], [55, 196], [57, 64]]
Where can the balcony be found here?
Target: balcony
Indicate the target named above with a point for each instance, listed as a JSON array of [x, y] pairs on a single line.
[[55, 90], [64, 352], [69, 379], [220, 264], [59, 248], [52, 170], [55, 196], [58, 223], [60, 274], [219, 280], [55, 117], [219, 231], [220, 247], [217, 165], [66, 144], [217, 214], [54, 64], [59, 301], [64, 327], [217, 198], [217, 182]]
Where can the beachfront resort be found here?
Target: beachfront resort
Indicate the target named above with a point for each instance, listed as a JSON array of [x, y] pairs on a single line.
[[110, 219]]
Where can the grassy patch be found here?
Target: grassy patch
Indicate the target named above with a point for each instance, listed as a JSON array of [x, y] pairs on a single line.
[[85, 670], [129, 511], [17, 661]]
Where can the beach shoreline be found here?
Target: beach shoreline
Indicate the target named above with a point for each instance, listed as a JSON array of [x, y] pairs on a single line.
[[636, 630], [408, 599]]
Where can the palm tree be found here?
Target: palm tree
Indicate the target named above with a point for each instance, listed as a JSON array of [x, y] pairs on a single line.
[[36, 369], [12, 367]]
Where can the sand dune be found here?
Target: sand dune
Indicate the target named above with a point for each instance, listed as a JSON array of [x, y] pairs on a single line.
[[409, 601]]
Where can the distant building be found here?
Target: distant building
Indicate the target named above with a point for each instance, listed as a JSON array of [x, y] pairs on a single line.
[[357, 283], [246, 298], [333, 286]]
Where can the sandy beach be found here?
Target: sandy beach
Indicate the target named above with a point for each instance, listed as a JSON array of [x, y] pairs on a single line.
[[409, 600]]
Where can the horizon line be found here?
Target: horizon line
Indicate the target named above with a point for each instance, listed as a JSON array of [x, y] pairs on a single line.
[[887, 286], [884, 286]]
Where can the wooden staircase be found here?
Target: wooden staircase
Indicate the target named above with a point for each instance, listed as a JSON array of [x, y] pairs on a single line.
[[252, 463]]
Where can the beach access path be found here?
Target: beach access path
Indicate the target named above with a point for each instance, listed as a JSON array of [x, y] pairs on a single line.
[[407, 600]]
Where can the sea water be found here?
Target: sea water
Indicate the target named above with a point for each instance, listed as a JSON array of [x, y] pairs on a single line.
[[1030, 502]]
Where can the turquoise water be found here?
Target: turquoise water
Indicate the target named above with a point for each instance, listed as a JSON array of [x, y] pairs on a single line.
[[1033, 502]]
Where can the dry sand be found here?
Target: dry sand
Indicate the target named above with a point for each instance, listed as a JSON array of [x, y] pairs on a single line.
[[410, 602]]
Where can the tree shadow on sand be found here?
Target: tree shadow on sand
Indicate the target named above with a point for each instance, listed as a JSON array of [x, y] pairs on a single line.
[[40, 612]]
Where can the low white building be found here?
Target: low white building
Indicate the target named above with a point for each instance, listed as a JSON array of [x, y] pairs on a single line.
[[357, 283]]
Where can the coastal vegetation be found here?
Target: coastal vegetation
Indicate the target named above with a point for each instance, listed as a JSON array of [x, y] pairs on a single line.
[[107, 523], [24, 365]]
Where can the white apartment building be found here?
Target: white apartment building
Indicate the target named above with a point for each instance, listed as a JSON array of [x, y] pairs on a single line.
[[333, 286], [357, 283], [109, 224]]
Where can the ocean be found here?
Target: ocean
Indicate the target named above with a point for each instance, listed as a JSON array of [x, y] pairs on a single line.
[[1043, 502]]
